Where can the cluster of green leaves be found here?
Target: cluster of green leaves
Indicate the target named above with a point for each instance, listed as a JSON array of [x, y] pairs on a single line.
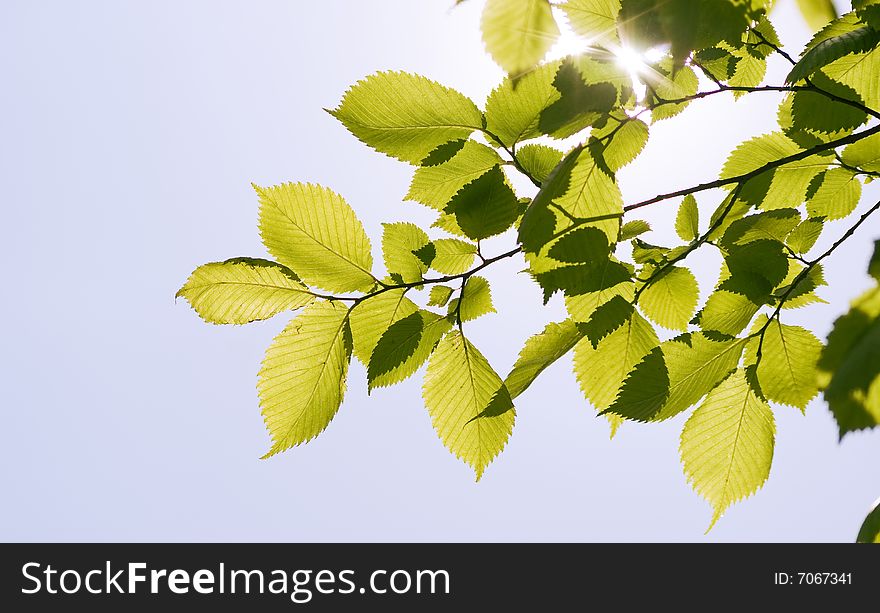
[[645, 348]]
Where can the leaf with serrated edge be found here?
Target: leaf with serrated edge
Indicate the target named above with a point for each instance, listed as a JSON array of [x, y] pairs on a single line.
[[696, 364], [518, 33], [404, 347], [453, 256], [475, 422], [600, 371], [372, 317], [539, 352], [242, 290], [787, 371], [314, 232], [476, 299], [399, 241], [727, 444], [837, 196], [434, 186], [406, 115], [302, 380], [687, 221], [671, 298], [514, 107]]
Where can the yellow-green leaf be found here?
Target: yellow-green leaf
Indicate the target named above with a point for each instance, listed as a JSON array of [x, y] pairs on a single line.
[[787, 371], [518, 33], [399, 242], [514, 108], [434, 186], [727, 444], [687, 221], [314, 232], [595, 20], [373, 316], [404, 347], [302, 380], [242, 290], [405, 115], [475, 422], [539, 352], [671, 298], [453, 256]]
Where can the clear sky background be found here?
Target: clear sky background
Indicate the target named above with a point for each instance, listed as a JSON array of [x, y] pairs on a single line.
[[129, 135]]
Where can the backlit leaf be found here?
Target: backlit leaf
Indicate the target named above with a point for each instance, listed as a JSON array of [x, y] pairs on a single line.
[[302, 380], [475, 422]]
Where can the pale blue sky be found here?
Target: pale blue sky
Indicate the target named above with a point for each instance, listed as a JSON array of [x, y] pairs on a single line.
[[129, 135]]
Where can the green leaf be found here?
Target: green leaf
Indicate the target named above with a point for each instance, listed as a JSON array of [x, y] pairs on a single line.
[[784, 187], [592, 193], [817, 13], [405, 115], [644, 391], [632, 229], [670, 299], [838, 195], [725, 214], [538, 160], [601, 370], [859, 72], [486, 206], [832, 49], [539, 352], [581, 307], [475, 422], [771, 225], [453, 256], [434, 186], [518, 33], [870, 530], [727, 312], [302, 380], [595, 20], [695, 364], [581, 246], [868, 12], [243, 290], [444, 153], [803, 292], [686, 25], [680, 83], [849, 368], [440, 295], [514, 108], [314, 232], [787, 368], [687, 222], [580, 104], [400, 241], [404, 347], [475, 301], [720, 63], [749, 71], [823, 117], [727, 444], [583, 278], [627, 143], [756, 268], [607, 318], [864, 154], [805, 235], [372, 317]]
